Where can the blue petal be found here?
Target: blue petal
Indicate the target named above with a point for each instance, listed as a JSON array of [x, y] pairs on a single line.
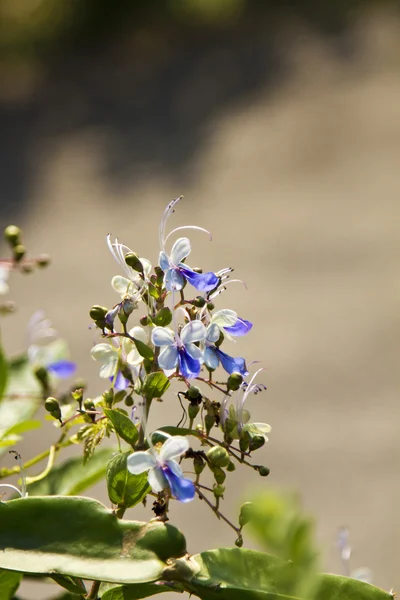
[[241, 327], [173, 280], [62, 368], [120, 382], [201, 281], [232, 365], [182, 489], [110, 316], [188, 367]]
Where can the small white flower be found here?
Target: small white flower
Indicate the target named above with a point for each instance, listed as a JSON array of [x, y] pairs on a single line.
[[134, 284]]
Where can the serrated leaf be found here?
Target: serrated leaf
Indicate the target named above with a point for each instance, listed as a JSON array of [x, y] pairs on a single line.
[[136, 592], [155, 385], [9, 583], [3, 372], [125, 489], [72, 476], [143, 349], [123, 426], [92, 435], [163, 317], [82, 538]]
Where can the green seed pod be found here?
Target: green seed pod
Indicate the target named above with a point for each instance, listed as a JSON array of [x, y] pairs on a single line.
[[256, 442], [77, 395], [209, 422], [219, 491], [43, 260], [89, 404], [239, 542], [42, 375], [51, 405], [245, 514], [231, 467], [132, 260], [12, 235], [218, 457], [194, 393], [264, 471], [193, 410], [97, 312], [144, 321], [210, 306], [19, 252], [219, 475], [128, 401], [199, 301], [198, 464], [234, 381], [244, 441]]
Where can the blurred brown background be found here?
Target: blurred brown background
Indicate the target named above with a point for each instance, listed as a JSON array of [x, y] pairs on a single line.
[[280, 124]]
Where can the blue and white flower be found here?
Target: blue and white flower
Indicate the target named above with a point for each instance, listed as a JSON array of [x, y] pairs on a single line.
[[163, 470], [213, 355], [46, 347], [176, 272], [134, 285], [118, 352], [180, 351], [230, 324]]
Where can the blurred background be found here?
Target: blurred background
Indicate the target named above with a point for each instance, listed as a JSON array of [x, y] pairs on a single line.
[[279, 122]]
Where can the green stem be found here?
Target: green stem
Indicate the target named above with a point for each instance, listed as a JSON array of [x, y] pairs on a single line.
[[217, 512], [33, 461]]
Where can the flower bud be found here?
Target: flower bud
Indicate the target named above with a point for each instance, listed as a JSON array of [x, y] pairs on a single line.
[[77, 395], [128, 306], [89, 404], [159, 276], [256, 442], [199, 302], [234, 381], [98, 312], [218, 456], [264, 471], [12, 235], [219, 491], [210, 306], [194, 394], [128, 401], [244, 441], [209, 422], [245, 514], [193, 411], [144, 321], [52, 406], [239, 542], [198, 464], [108, 397], [19, 252], [219, 475], [43, 260], [42, 375], [132, 260], [231, 467]]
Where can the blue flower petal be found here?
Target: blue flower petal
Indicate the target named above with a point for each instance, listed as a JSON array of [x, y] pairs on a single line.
[[241, 327], [173, 280], [182, 489], [188, 367], [62, 368], [120, 382], [232, 365], [201, 281]]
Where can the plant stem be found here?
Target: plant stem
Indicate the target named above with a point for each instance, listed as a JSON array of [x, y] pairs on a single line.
[[33, 461], [92, 595], [217, 512]]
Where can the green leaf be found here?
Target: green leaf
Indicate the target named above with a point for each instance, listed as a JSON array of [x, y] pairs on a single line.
[[123, 426], [80, 537], [163, 317], [21, 379], [154, 291], [136, 592], [155, 385], [336, 587], [125, 489], [143, 349], [9, 583], [14, 413], [72, 477], [72, 584], [25, 426], [3, 372]]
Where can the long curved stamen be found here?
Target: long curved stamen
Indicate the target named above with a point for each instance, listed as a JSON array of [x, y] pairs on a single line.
[[22, 472], [167, 213], [246, 392], [188, 227], [12, 487], [223, 288]]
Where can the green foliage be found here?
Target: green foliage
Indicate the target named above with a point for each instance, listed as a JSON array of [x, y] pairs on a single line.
[[15, 417], [335, 587], [136, 592], [155, 385], [80, 537], [9, 583], [72, 476], [72, 584], [92, 435], [143, 349], [123, 426], [125, 489]]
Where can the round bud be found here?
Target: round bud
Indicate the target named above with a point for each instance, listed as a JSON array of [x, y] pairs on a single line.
[[51, 405], [245, 514], [231, 467], [42, 374], [19, 252], [210, 306], [128, 306], [108, 396], [218, 457], [77, 395], [219, 475], [264, 471], [239, 542], [132, 260], [89, 404], [256, 442], [219, 491], [128, 401], [194, 393], [12, 234], [43, 260], [98, 312], [234, 381], [198, 464], [144, 320], [199, 301]]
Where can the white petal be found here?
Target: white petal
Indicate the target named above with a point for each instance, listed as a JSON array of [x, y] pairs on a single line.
[[194, 351], [121, 284], [146, 266], [194, 331], [162, 336], [139, 462], [157, 480], [210, 358], [168, 358], [139, 334], [174, 447], [103, 352], [224, 318], [108, 368], [173, 280], [133, 358], [180, 250], [263, 427], [175, 467], [213, 333], [163, 261]]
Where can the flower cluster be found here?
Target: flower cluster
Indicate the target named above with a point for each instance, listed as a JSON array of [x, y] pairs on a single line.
[[180, 335]]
